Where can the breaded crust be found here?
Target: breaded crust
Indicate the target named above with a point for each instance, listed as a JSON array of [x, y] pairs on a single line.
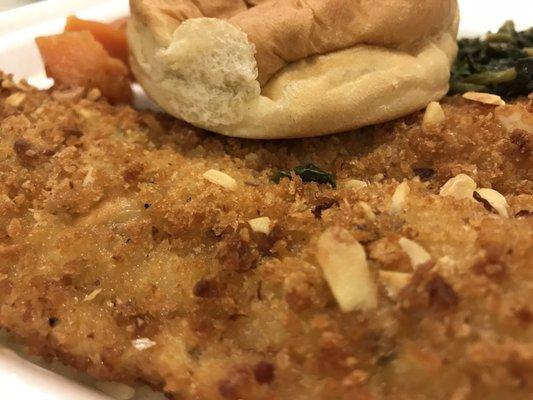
[[118, 257]]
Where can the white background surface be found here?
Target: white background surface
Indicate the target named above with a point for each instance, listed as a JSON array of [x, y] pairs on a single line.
[[19, 379], [7, 4]]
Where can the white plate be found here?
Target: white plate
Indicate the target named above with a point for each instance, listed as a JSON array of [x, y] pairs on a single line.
[[21, 379]]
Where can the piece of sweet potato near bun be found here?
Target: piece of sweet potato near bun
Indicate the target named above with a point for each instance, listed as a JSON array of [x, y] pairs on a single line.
[[120, 23], [112, 36], [78, 59]]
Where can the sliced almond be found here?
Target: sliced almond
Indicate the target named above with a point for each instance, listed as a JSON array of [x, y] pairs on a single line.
[[496, 201], [221, 179], [16, 99], [94, 94], [416, 253], [344, 264], [460, 187], [86, 113], [142, 344], [355, 184], [92, 295], [72, 94], [261, 225], [394, 281], [378, 177], [485, 98], [367, 210], [434, 115], [88, 179], [399, 197]]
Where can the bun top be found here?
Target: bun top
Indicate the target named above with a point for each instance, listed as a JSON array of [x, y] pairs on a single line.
[[285, 31]]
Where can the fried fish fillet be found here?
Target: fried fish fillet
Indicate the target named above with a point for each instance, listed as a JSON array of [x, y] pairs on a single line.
[[119, 257]]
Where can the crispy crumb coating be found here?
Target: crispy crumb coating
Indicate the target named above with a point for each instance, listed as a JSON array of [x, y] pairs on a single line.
[[119, 258]]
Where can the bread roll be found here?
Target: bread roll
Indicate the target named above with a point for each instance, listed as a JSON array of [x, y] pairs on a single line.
[[287, 68]]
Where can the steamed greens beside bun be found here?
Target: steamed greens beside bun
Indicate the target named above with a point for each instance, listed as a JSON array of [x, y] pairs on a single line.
[[501, 64]]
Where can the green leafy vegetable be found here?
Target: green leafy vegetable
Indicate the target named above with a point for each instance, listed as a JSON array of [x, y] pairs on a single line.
[[311, 173], [280, 175], [501, 64], [308, 173], [492, 77]]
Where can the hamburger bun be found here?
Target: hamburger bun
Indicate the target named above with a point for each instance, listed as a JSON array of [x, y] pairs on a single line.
[[285, 68]]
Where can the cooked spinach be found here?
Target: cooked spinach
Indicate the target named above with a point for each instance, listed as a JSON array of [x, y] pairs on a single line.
[[279, 175], [309, 173], [502, 63]]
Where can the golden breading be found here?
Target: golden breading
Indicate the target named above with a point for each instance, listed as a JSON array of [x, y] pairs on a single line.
[[119, 257]]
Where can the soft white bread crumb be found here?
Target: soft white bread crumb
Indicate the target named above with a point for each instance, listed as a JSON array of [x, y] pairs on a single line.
[[210, 69]]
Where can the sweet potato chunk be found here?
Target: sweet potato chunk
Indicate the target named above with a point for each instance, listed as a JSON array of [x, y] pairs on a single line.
[[119, 23], [111, 36], [77, 59]]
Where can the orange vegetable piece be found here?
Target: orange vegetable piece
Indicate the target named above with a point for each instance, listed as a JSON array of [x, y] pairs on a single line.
[[112, 36], [119, 23], [77, 59]]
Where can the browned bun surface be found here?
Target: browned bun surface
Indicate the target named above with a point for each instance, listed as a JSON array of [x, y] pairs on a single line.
[[287, 31]]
